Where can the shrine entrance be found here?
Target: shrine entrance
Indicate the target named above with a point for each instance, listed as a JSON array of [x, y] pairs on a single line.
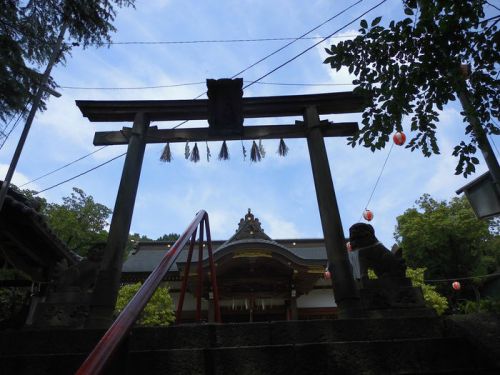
[[225, 111]]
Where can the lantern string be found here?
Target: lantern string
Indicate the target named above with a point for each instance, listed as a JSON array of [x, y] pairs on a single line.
[[464, 278], [378, 179]]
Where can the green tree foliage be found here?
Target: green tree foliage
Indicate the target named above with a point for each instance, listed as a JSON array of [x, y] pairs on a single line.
[[79, 221], [412, 68], [28, 33], [133, 239], [168, 237], [432, 298], [158, 312], [12, 299], [447, 239]]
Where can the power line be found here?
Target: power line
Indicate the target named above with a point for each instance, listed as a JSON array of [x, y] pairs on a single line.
[[64, 166], [278, 50], [131, 88], [464, 278], [200, 83], [81, 174], [494, 6], [244, 70], [6, 136], [208, 41], [315, 44]]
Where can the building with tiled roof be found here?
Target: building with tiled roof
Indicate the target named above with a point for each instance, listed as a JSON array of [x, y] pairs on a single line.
[[258, 278]]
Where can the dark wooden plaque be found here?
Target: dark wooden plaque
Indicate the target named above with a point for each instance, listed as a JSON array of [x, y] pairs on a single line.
[[225, 106]]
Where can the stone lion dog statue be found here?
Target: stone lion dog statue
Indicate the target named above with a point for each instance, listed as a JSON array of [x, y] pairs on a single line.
[[374, 255]]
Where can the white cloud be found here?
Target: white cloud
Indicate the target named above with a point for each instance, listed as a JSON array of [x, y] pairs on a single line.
[[18, 178], [278, 227]]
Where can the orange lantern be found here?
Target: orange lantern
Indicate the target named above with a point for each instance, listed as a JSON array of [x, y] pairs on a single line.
[[456, 285], [399, 138], [327, 275], [368, 215]]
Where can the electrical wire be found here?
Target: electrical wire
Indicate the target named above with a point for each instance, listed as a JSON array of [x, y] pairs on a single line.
[[463, 278], [207, 41], [6, 136], [278, 50], [81, 174], [244, 70], [315, 44], [200, 83], [494, 6], [64, 166]]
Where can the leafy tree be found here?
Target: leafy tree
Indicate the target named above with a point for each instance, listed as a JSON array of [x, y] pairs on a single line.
[[413, 68], [168, 237], [432, 298], [79, 221], [158, 312], [12, 299], [133, 239], [447, 239], [28, 33]]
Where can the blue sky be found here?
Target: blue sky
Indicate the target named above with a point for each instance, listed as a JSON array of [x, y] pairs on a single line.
[[279, 190]]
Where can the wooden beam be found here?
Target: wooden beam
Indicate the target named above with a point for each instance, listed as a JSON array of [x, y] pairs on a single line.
[[156, 135], [253, 107]]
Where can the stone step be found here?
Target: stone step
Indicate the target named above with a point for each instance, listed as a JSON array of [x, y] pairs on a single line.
[[224, 335], [403, 356]]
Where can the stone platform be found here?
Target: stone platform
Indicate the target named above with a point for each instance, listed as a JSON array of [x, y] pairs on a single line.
[[422, 345]]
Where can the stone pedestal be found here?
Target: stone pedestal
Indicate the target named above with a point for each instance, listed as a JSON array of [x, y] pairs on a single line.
[[64, 309], [393, 297]]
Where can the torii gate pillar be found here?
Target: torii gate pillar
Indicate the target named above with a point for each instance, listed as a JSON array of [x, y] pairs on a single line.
[[108, 279], [344, 288]]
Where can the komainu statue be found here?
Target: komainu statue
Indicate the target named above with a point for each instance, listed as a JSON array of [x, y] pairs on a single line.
[[374, 255]]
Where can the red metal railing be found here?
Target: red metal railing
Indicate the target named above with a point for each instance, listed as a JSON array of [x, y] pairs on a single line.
[[109, 343]]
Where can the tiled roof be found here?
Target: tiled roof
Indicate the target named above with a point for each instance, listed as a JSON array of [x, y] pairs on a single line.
[[27, 240]]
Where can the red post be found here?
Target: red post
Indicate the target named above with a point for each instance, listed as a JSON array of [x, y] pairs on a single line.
[[213, 277], [200, 274], [184, 281]]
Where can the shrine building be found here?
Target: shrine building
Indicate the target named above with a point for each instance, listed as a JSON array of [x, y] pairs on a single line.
[[258, 278]]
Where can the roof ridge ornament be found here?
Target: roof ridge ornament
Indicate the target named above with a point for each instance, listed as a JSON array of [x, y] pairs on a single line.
[[249, 227]]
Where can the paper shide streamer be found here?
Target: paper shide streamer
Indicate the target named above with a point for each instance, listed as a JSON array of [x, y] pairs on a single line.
[[166, 156], [224, 153], [244, 150], [209, 155], [195, 154], [255, 155], [186, 151], [283, 148]]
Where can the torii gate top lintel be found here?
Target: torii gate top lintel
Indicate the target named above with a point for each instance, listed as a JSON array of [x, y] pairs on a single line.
[[253, 107]]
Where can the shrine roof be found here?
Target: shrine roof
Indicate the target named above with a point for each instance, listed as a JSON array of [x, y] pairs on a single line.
[[27, 241], [149, 254]]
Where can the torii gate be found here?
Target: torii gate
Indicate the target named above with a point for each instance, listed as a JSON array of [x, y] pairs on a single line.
[[142, 112]]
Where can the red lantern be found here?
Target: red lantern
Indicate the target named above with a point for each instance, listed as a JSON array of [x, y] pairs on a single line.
[[328, 275], [368, 215], [456, 285], [399, 138], [349, 247]]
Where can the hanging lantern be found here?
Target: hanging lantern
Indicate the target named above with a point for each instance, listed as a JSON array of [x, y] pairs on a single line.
[[368, 215], [456, 285], [399, 138], [327, 274], [349, 247]]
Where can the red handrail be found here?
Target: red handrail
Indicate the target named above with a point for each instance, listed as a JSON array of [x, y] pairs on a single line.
[[109, 343]]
